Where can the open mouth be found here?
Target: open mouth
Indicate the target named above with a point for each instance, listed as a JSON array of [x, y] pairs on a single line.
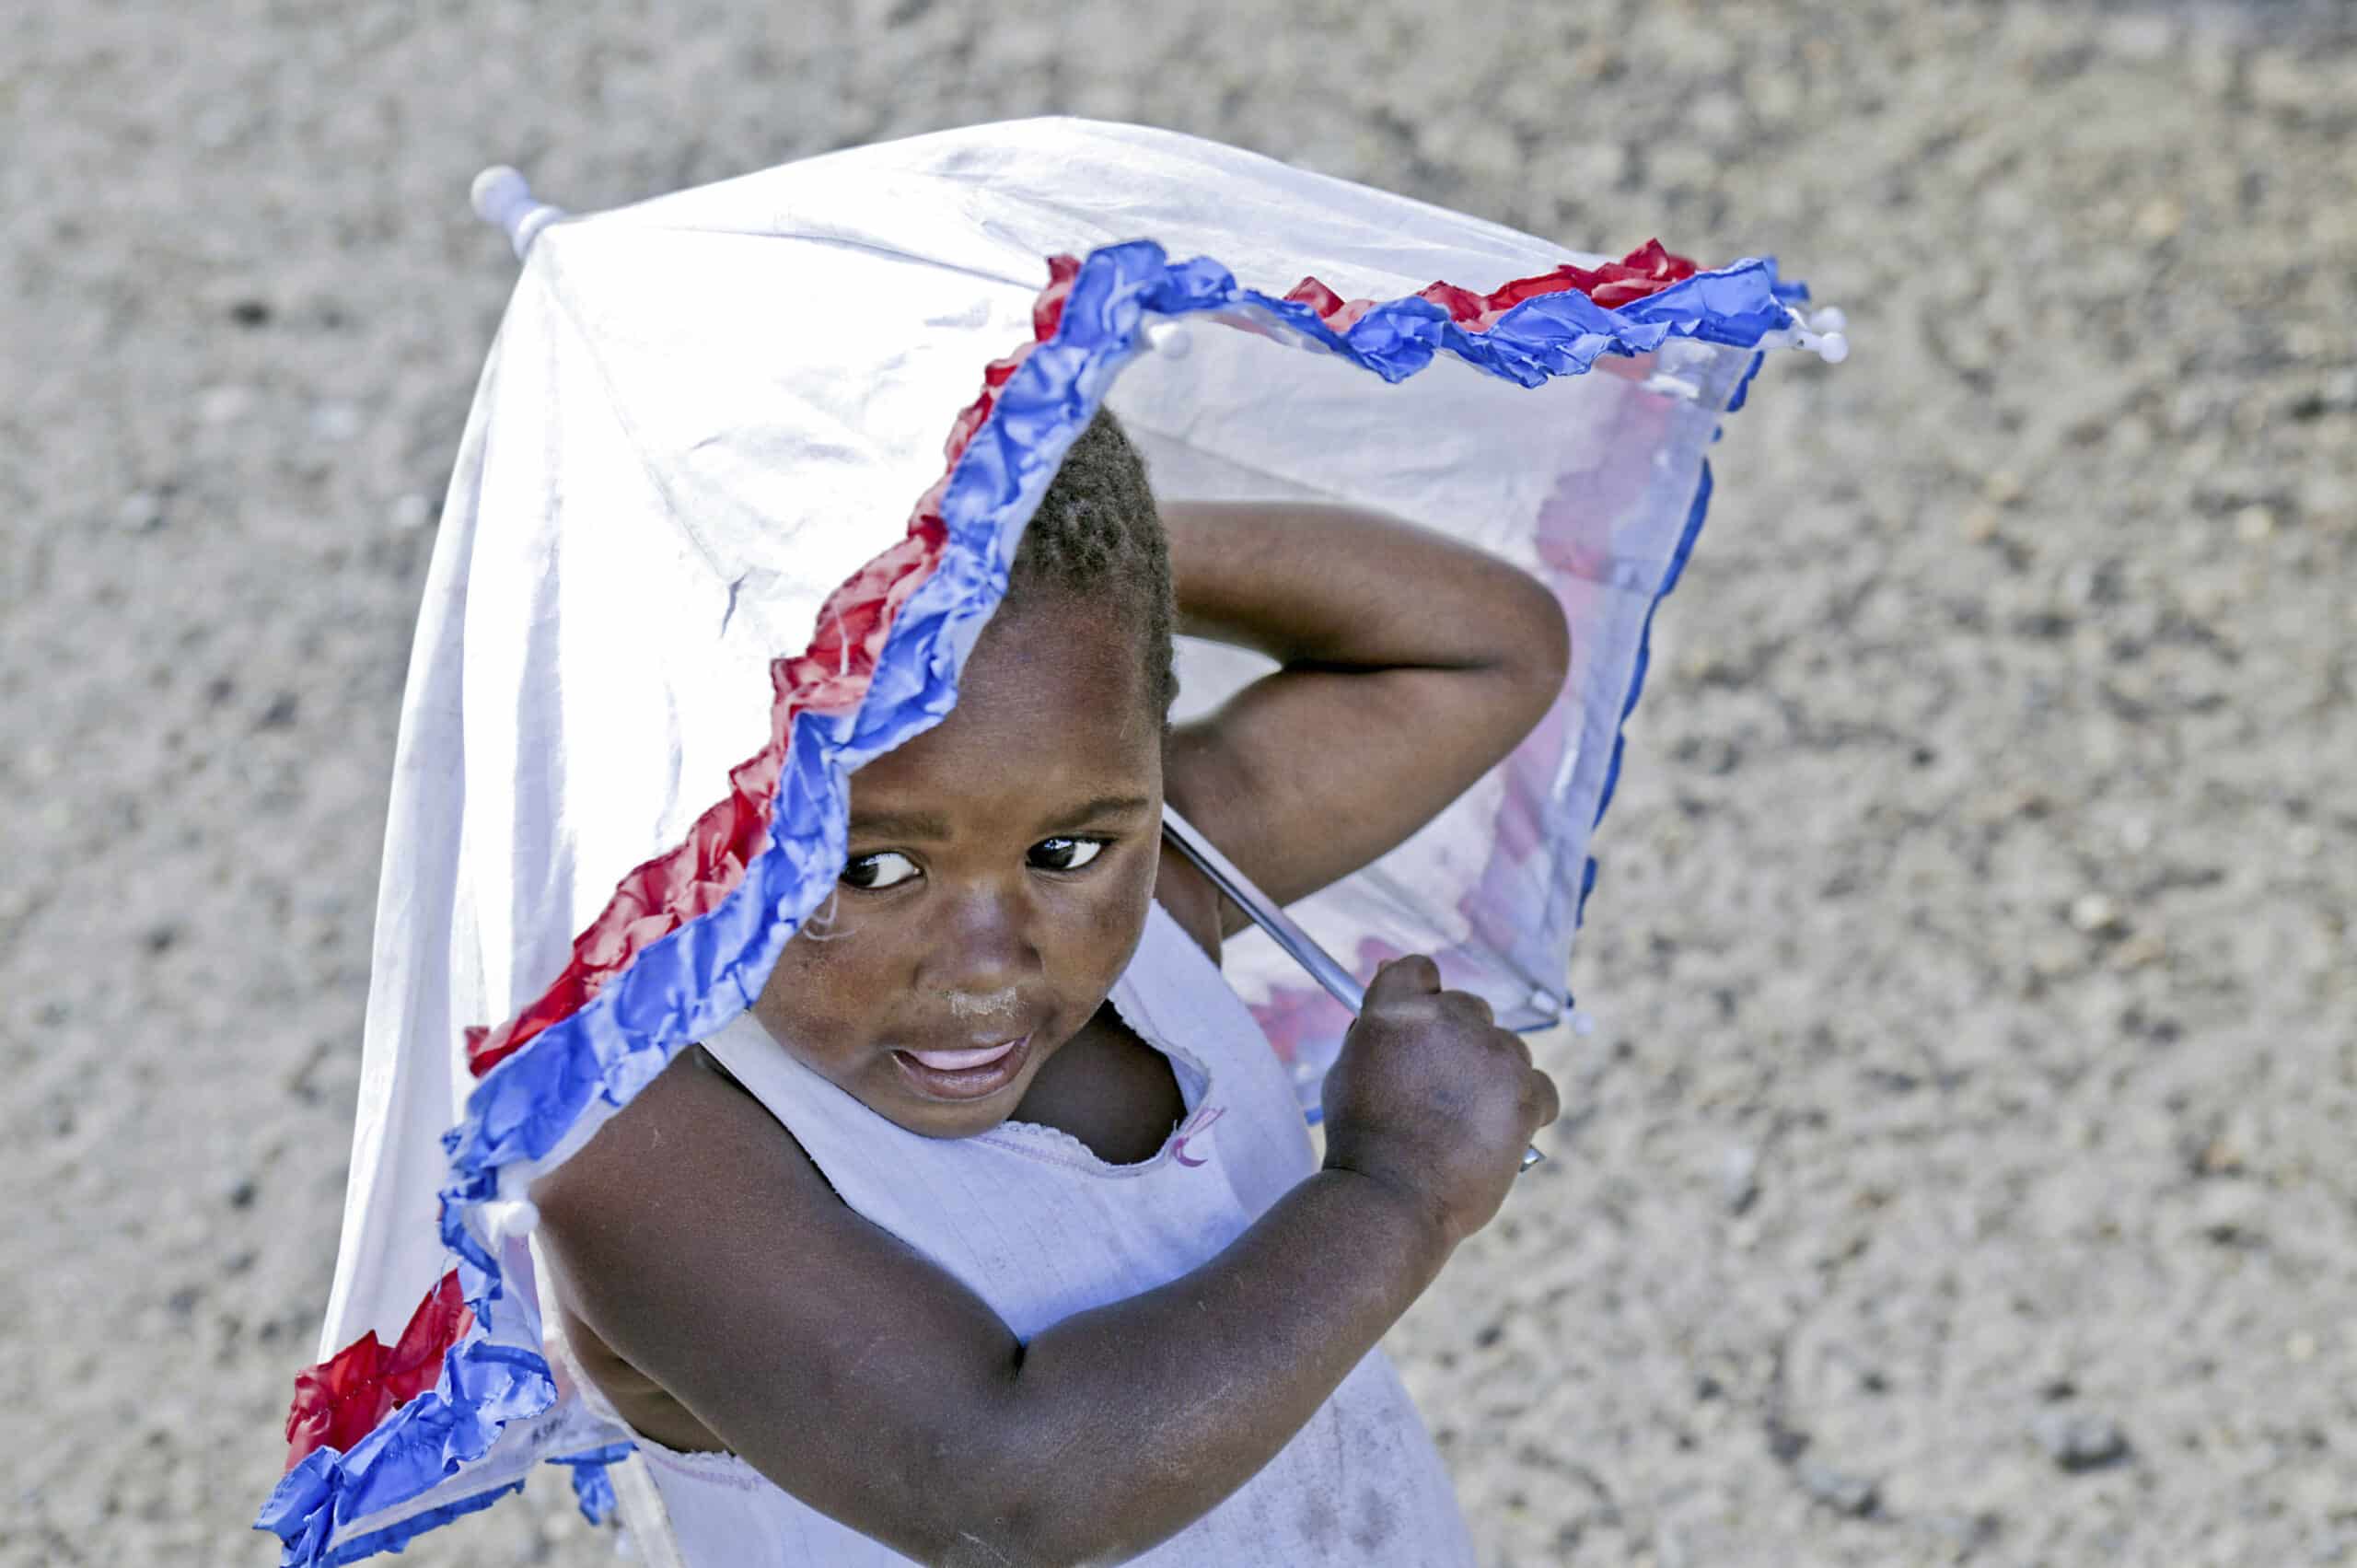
[[963, 1074]]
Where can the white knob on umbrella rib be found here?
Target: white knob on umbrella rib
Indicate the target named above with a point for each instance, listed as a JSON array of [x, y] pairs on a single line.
[[1169, 339], [507, 1219], [503, 199]]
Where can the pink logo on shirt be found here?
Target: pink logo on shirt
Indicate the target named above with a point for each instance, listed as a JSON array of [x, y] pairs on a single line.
[[1199, 1122]]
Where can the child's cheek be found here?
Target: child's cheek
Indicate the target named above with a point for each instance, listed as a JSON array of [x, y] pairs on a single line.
[[826, 991], [1116, 923]]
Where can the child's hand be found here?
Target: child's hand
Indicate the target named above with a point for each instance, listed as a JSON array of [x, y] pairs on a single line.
[[1431, 1098]]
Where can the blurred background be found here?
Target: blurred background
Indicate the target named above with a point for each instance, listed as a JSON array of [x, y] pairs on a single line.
[[1962, 1170]]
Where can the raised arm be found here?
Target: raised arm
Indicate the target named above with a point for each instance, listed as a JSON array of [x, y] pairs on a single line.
[[1408, 665], [702, 1248]]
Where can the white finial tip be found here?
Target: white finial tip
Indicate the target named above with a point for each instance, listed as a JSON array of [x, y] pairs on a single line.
[[496, 190], [1833, 348], [502, 199], [508, 1220], [1829, 320]]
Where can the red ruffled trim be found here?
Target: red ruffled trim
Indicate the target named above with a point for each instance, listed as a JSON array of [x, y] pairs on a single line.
[[658, 896], [1647, 269], [341, 1401], [832, 676]]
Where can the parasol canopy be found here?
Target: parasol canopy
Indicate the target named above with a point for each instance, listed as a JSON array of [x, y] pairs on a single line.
[[739, 491]]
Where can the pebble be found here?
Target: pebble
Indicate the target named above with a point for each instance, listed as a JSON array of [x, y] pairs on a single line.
[[141, 511], [335, 422], [224, 404], [2230, 1213], [2160, 219], [2142, 39], [2096, 915], [411, 512], [1739, 1178], [2254, 525], [1853, 1496], [1968, 1532], [2079, 1441], [214, 128], [2220, 1157]]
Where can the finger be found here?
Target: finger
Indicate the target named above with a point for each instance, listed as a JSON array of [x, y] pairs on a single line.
[[1415, 975], [1465, 1004], [1516, 1044], [1541, 1096]]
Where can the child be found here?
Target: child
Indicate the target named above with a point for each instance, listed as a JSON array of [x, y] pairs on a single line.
[[991, 1233], [953, 1206]]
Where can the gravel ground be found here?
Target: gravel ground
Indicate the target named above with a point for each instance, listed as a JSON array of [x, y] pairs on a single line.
[[1962, 1170]]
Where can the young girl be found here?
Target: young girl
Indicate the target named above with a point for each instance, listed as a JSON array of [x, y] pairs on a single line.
[[991, 1233], [927, 1194]]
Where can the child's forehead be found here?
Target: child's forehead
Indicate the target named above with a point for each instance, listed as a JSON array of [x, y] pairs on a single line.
[[1055, 692], [1049, 638]]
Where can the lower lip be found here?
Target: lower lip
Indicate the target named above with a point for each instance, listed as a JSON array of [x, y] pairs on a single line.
[[963, 1082]]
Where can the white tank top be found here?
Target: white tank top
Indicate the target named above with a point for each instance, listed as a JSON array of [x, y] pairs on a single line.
[[1037, 1225]]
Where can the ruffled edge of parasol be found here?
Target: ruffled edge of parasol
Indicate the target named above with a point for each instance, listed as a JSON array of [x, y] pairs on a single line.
[[683, 944]]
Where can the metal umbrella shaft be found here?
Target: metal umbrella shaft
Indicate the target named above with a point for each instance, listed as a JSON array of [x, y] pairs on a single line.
[[1282, 929]]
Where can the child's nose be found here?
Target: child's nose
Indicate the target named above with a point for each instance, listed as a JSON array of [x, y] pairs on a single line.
[[985, 950]]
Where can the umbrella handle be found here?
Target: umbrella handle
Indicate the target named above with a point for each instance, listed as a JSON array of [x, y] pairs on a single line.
[[1298, 945]]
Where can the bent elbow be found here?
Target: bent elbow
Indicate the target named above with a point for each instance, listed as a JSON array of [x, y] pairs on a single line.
[[1541, 658], [1017, 1541], [1038, 1531], [1553, 644]]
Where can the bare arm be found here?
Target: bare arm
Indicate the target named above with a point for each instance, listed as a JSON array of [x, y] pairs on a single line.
[[1409, 665], [706, 1250]]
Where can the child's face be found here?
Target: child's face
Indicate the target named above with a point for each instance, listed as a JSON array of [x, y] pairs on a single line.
[[1001, 865]]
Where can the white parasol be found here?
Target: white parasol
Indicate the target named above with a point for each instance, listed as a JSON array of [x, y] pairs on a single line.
[[702, 556]]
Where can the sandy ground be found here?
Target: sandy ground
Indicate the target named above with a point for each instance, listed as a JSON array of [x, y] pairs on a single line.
[[1962, 1171]]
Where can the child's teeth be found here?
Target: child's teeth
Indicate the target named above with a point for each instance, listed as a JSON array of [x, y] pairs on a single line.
[[959, 1060]]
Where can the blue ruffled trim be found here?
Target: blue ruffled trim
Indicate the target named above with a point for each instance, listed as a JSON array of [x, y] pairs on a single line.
[[1686, 542], [484, 1385], [309, 1544], [395, 1537], [699, 976], [592, 1488], [1554, 334]]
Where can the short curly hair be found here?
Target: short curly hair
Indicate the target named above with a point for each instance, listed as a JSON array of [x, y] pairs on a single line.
[[1098, 535]]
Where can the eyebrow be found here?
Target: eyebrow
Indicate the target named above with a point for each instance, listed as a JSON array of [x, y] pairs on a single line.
[[1097, 811], [934, 829], [914, 825], [926, 827]]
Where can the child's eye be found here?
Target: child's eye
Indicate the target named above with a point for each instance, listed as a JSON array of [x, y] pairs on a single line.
[[869, 872], [1066, 854]]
